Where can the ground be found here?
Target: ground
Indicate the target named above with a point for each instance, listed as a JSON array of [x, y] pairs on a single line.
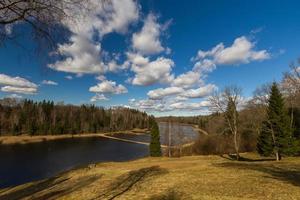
[[25, 138], [190, 177]]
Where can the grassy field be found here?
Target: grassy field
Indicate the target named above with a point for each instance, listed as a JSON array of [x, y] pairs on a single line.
[[191, 177]]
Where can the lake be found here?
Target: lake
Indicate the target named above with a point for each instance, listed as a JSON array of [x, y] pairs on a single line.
[[21, 163]]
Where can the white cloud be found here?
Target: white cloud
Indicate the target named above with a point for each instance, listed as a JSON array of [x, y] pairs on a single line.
[[199, 92], [204, 66], [152, 105], [48, 82], [21, 90], [149, 105], [17, 85], [16, 81], [187, 80], [108, 87], [101, 78], [99, 97], [69, 77], [181, 93], [147, 40], [160, 93], [150, 72], [241, 51], [190, 106], [14, 96], [82, 54]]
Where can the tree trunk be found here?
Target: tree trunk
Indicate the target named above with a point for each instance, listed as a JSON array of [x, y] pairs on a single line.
[[236, 142], [277, 155], [236, 146]]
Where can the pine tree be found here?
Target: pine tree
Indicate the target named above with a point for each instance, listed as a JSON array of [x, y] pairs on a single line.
[[155, 149], [264, 141], [277, 128]]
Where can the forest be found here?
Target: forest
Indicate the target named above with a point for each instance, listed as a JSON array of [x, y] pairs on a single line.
[[47, 118]]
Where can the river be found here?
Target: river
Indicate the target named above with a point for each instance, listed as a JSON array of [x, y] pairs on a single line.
[[21, 163]]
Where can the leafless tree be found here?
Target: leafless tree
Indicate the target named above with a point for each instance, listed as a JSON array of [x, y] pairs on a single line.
[[227, 102], [43, 16], [290, 86]]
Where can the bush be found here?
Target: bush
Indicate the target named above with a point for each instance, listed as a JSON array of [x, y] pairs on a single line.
[[213, 144]]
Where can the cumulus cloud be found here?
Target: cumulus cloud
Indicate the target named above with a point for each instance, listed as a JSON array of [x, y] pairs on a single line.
[[204, 66], [99, 97], [16, 81], [199, 92], [21, 90], [187, 80], [82, 54], [17, 85], [149, 72], [160, 93], [241, 51], [48, 82], [81, 57], [190, 106], [110, 87], [149, 105], [147, 41], [180, 93], [154, 105]]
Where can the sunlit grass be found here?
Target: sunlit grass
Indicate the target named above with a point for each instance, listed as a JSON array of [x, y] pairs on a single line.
[[192, 177]]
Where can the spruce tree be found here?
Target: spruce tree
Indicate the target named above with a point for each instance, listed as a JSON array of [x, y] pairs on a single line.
[[155, 149], [277, 128], [264, 141]]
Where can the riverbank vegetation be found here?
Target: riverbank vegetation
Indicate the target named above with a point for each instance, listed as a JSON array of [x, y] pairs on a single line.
[[46, 118], [269, 122], [191, 177]]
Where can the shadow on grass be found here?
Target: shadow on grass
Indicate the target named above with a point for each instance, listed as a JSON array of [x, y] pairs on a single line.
[[289, 173], [125, 182], [169, 195], [49, 189], [233, 158]]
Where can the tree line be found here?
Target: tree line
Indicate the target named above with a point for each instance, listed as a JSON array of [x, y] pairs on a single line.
[[47, 118]]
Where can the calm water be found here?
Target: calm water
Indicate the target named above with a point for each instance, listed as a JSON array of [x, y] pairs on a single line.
[[180, 133], [23, 163]]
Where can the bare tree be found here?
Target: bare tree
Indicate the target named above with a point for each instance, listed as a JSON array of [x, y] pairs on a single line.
[[42, 15], [290, 86], [228, 102]]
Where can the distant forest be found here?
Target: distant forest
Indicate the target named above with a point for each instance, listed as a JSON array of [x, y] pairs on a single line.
[[47, 118]]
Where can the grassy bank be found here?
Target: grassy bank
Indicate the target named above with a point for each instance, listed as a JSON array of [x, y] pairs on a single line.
[[194, 177], [24, 139]]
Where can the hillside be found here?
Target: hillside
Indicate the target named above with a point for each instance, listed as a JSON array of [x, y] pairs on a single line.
[[194, 177]]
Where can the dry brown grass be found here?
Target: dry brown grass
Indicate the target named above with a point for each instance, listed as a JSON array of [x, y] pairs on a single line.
[[192, 177], [25, 139]]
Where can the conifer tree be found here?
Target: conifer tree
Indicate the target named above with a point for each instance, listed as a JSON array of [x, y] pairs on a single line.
[[264, 141], [277, 129], [155, 149]]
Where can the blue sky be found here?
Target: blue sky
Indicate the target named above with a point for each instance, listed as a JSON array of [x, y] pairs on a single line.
[[164, 57]]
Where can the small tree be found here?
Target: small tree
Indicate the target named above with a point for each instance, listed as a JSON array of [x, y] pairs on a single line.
[[155, 149], [277, 127], [227, 102]]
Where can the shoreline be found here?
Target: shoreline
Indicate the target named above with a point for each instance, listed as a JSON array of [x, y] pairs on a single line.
[[26, 139]]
